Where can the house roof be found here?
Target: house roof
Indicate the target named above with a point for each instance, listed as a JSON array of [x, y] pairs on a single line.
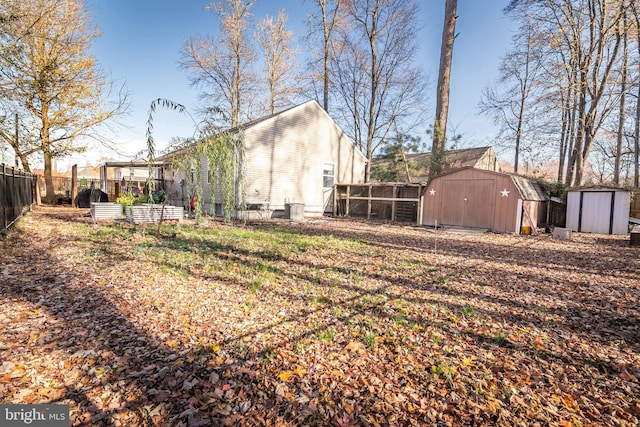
[[265, 118], [453, 159], [255, 122]]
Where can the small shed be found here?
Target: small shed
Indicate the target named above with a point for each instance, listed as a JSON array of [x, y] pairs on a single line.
[[476, 198], [598, 209]]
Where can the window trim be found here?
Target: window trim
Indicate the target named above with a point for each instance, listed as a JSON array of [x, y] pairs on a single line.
[[328, 173]]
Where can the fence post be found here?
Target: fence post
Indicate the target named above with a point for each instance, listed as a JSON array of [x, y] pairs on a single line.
[[74, 186], [3, 197]]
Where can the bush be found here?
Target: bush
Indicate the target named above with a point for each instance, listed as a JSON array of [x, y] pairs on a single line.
[[159, 196], [126, 199]]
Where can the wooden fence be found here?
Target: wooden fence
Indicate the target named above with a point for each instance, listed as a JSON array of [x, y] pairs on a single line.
[[385, 201], [17, 194]]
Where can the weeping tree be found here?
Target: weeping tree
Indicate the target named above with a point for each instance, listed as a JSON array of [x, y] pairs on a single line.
[[218, 156], [215, 159]]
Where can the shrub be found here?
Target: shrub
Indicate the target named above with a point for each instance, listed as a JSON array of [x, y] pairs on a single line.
[[126, 199]]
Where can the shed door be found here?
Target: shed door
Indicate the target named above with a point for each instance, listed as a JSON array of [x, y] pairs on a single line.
[[467, 203], [596, 212]]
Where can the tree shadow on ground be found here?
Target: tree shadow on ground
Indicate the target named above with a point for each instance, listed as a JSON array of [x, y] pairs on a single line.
[[152, 377]]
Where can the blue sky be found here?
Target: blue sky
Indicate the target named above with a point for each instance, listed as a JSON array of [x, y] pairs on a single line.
[[141, 40]]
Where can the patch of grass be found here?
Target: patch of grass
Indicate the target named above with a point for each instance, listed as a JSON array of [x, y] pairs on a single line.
[[364, 301], [268, 354], [321, 300], [241, 350], [444, 371], [255, 285], [370, 340], [477, 389], [206, 349], [468, 311], [500, 339], [443, 280], [326, 335], [400, 319]]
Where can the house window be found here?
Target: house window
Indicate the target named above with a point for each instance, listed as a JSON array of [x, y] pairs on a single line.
[[327, 175]]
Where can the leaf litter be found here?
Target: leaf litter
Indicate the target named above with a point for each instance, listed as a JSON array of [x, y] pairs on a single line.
[[325, 322]]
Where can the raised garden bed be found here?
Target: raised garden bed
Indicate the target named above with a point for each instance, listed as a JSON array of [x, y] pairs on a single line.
[[106, 210], [150, 213]]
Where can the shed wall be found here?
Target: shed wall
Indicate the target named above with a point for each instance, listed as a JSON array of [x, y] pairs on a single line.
[[589, 211], [472, 198]]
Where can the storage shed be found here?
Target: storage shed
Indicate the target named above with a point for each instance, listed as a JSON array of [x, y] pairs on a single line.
[[598, 209], [476, 198]]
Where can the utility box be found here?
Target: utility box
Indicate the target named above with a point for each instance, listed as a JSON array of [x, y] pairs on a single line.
[[294, 211], [561, 233]]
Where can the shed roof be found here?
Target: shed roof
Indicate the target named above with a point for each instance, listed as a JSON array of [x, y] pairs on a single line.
[[598, 187], [529, 189]]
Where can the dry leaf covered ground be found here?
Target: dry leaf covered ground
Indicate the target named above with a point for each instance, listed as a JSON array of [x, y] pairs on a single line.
[[329, 322]]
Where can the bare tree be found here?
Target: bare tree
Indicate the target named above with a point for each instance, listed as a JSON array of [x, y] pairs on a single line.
[[326, 22], [49, 73], [621, 112], [19, 138], [589, 34], [444, 80], [511, 101], [381, 85], [223, 67], [636, 132], [279, 60], [595, 44]]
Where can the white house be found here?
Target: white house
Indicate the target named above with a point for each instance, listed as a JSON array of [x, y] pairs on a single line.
[[291, 157]]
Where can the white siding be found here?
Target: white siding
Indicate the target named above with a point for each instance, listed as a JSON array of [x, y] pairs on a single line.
[[596, 212], [621, 212], [284, 159], [573, 210], [285, 156]]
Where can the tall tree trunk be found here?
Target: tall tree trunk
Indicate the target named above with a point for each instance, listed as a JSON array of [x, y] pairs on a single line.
[[576, 152], [621, 114], [327, 36], [374, 90], [636, 134], [444, 80], [600, 77], [564, 140], [567, 137], [19, 154]]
